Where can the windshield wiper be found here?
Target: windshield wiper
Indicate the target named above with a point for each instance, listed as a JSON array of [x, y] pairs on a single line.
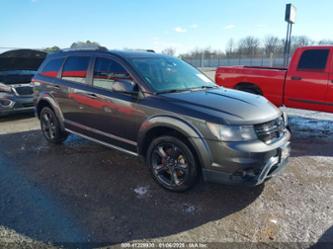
[[203, 87], [186, 89], [174, 90], [208, 87]]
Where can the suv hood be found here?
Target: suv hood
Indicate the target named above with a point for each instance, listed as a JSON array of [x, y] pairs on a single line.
[[22, 59], [19, 66], [226, 106]]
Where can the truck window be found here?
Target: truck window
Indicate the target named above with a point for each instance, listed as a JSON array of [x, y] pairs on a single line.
[[75, 69], [52, 68], [107, 71], [314, 59]]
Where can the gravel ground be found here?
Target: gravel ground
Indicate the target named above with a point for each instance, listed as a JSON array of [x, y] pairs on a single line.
[[81, 192]]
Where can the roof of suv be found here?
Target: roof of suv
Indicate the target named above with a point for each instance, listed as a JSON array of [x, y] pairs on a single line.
[[120, 53]]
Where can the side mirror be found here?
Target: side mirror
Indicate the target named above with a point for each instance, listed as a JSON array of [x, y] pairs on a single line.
[[124, 86]]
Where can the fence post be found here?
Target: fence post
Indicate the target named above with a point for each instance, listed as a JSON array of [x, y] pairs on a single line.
[[271, 59], [262, 60]]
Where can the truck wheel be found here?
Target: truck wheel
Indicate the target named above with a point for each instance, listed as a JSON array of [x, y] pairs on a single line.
[[50, 126], [172, 163]]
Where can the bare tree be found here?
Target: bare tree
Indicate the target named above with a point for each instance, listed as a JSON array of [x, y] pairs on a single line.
[[300, 41], [325, 42], [230, 48], [252, 47], [169, 51], [86, 44], [272, 45], [249, 46], [52, 49]]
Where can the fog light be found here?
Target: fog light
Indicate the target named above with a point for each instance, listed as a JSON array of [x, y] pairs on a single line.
[[249, 173], [6, 103]]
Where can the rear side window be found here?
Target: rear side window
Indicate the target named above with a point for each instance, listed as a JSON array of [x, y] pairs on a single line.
[[108, 71], [75, 69], [313, 59], [52, 68]]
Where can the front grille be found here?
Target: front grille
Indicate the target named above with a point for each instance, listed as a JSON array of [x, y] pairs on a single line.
[[271, 131], [24, 90]]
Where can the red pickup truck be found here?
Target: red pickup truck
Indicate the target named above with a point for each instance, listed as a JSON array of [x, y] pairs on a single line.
[[306, 84]]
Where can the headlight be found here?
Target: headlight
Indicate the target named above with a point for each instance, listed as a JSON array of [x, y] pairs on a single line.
[[5, 88], [232, 132]]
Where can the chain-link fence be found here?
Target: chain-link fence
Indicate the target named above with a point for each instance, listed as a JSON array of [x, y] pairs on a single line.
[[215, 62]]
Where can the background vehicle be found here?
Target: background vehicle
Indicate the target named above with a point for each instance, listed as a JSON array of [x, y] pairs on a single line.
[[17, 68], [165, 110], [306, 84]]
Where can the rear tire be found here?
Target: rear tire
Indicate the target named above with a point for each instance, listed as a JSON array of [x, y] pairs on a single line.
[[50, 126], [172, 163]]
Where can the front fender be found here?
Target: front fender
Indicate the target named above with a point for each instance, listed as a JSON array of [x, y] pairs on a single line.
[[193, 135]]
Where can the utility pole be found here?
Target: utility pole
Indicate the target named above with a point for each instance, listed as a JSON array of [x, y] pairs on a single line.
[[290, 18]]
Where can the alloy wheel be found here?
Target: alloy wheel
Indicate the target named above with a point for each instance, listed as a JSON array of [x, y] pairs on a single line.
[[48, 125], [170, 165]]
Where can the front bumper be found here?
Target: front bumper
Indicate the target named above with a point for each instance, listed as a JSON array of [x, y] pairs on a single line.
[[247, 164], [16, 104]]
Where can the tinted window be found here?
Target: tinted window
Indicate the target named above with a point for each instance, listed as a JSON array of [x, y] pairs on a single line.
[[107, 72], [52, 68], [313, 59], [75, 69]]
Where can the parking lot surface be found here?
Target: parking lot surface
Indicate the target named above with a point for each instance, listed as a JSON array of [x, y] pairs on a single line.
[[84, 192]]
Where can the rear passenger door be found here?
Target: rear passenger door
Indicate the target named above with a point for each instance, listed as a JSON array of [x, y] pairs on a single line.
[[50, 82], [307, 79], [74, 78]]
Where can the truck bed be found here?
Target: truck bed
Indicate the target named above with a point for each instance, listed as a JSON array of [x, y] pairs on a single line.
[[268, 80], [267, 68]]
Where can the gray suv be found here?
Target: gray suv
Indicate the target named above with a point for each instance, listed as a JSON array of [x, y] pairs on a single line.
[[163, 109]]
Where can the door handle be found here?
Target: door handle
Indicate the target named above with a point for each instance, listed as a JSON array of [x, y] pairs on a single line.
[[92, 95], [55, 86], [296, 78]]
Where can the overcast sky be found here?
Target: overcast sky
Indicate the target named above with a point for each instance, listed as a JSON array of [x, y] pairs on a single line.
[[155, 24]]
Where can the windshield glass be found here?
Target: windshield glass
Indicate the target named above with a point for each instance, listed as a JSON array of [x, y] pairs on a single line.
[[166, 74]]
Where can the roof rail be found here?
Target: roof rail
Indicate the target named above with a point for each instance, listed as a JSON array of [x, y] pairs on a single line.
[[139, 50], [85, 49]]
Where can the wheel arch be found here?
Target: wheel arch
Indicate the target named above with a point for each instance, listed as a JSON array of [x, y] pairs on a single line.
[[166, 125], [47, 101], [248, 85]]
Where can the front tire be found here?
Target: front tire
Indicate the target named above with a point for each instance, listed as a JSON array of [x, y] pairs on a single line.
[[50, 126], [172, 163]]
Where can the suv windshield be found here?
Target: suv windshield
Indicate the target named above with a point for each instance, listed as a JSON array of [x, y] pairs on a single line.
[[167, 74]]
